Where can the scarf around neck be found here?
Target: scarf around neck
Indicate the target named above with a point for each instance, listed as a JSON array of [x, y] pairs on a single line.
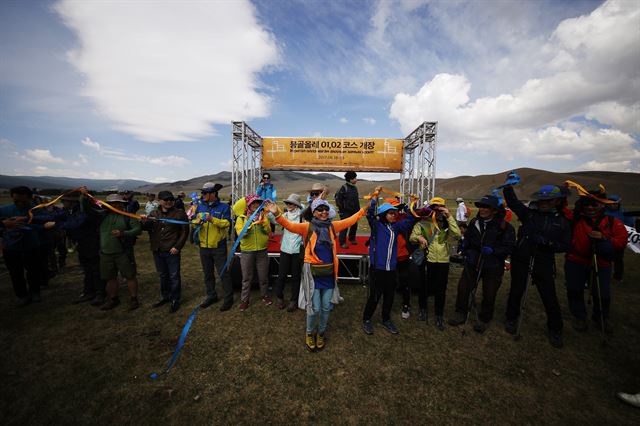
[[321, 228]]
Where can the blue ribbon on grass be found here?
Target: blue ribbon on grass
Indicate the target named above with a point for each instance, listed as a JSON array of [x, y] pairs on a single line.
[[194, 313]]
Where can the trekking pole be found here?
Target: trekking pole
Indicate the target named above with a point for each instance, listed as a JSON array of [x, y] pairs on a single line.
[[472, 294], [595, 278], [523, 300]]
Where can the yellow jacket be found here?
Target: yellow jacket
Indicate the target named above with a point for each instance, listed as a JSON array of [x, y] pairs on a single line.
[[257, 235]]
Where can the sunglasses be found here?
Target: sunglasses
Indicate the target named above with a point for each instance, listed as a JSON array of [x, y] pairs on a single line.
[[265, 177], [322, 209], [314, 194]]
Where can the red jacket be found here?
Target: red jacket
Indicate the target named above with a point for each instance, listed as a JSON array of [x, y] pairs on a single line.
[[614, 238]]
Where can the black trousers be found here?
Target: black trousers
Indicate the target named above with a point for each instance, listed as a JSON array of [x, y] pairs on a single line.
[[19, 262], [544, 270], [403, 281], [289, 263], [491, 281], [437, 277], [90, 263], [381, 284], [342, 237], [618, 264]]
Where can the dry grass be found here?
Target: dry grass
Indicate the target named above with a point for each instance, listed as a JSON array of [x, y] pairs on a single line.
[[72, 364]]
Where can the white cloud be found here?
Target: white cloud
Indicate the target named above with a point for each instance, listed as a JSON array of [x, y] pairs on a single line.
[[102, 174], [160, 179], [169, 70], [544, 118], [47, 171], [168, 160], [369, 120], [6, 143], [343, 120], [618, 166], [41, 156]]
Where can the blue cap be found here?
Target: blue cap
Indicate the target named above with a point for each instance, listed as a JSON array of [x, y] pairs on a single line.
[[385, 208]]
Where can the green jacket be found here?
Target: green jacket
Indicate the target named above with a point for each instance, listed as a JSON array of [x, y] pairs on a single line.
[[110, 244], [439, 247], [256, 237]]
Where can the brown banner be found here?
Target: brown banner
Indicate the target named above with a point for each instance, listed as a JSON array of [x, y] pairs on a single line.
[[332, 154]]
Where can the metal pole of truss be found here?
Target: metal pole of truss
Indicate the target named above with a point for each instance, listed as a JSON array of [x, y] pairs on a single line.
[[419, 154], [246, 158]]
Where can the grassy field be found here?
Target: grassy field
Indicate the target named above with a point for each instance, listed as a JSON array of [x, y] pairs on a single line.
[[73, 364]]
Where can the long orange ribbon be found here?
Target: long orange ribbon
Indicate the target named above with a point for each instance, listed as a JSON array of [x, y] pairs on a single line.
[[584, 193]]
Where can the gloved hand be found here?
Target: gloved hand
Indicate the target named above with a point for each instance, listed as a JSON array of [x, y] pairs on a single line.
[[486, 250], [513, 178], [538, 239]]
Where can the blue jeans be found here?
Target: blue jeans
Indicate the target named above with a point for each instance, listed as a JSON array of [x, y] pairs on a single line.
[[577, 276], [168, 266], [321, 304]]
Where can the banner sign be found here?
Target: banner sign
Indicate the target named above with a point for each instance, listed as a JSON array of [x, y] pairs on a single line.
[[633, 239], [332, 154]]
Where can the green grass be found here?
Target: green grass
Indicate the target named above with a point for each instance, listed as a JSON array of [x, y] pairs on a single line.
[[73, 364]]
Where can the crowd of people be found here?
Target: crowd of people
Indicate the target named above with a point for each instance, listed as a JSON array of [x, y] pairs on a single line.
[[591, 234]]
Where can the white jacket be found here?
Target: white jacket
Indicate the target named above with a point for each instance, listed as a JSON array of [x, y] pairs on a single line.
[[461, 213]]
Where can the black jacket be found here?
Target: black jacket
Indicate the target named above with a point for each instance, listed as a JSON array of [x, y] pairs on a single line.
[[347, 199], [497, 234], [544, 233]]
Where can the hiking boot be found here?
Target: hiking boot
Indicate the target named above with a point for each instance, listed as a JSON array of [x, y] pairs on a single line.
[[344, 245], [439, 323], [458, 319], [390, 326], [406, 312], [24, 301], [608, 328], [35, 298], [244, 306], [310, 342], [112, 303], [175, 305], [292, 306], [422, 315], [480, 327], [280, 304], [98, 300], [161, 302], [208, 302], [511, 327], [84, 297], [133, 304], [632, 399], [226, 306], [267, 300], [367, 327], [320, 341], [353, 242], [555, 338], [580, 325]]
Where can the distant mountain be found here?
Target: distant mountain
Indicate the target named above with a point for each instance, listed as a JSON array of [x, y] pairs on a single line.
[[469, 187], [45, 182]]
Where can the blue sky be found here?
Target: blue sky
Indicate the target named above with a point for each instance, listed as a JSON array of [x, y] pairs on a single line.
[[147, 89]]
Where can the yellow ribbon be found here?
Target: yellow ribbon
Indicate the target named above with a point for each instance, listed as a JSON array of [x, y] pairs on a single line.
[[584, 193]]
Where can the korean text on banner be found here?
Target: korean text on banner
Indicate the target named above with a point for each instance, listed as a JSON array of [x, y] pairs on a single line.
[[332, 154]]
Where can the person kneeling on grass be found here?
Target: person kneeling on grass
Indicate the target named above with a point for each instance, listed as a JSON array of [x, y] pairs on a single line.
[[320, 269], [383, 252], [254, 251]]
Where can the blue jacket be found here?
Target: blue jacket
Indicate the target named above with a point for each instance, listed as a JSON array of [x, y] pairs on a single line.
[[383, 244], [20, 239], [267, 191]]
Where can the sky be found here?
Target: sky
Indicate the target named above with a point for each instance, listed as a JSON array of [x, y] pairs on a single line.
[[147, 90]]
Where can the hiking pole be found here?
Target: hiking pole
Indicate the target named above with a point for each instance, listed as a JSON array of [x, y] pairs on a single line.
[[523, 300], [472, 294], [595, 278]]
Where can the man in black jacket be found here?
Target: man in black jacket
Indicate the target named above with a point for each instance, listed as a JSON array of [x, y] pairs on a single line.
[[348, 203], [166, 240], [544, 232], [487, 243]]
